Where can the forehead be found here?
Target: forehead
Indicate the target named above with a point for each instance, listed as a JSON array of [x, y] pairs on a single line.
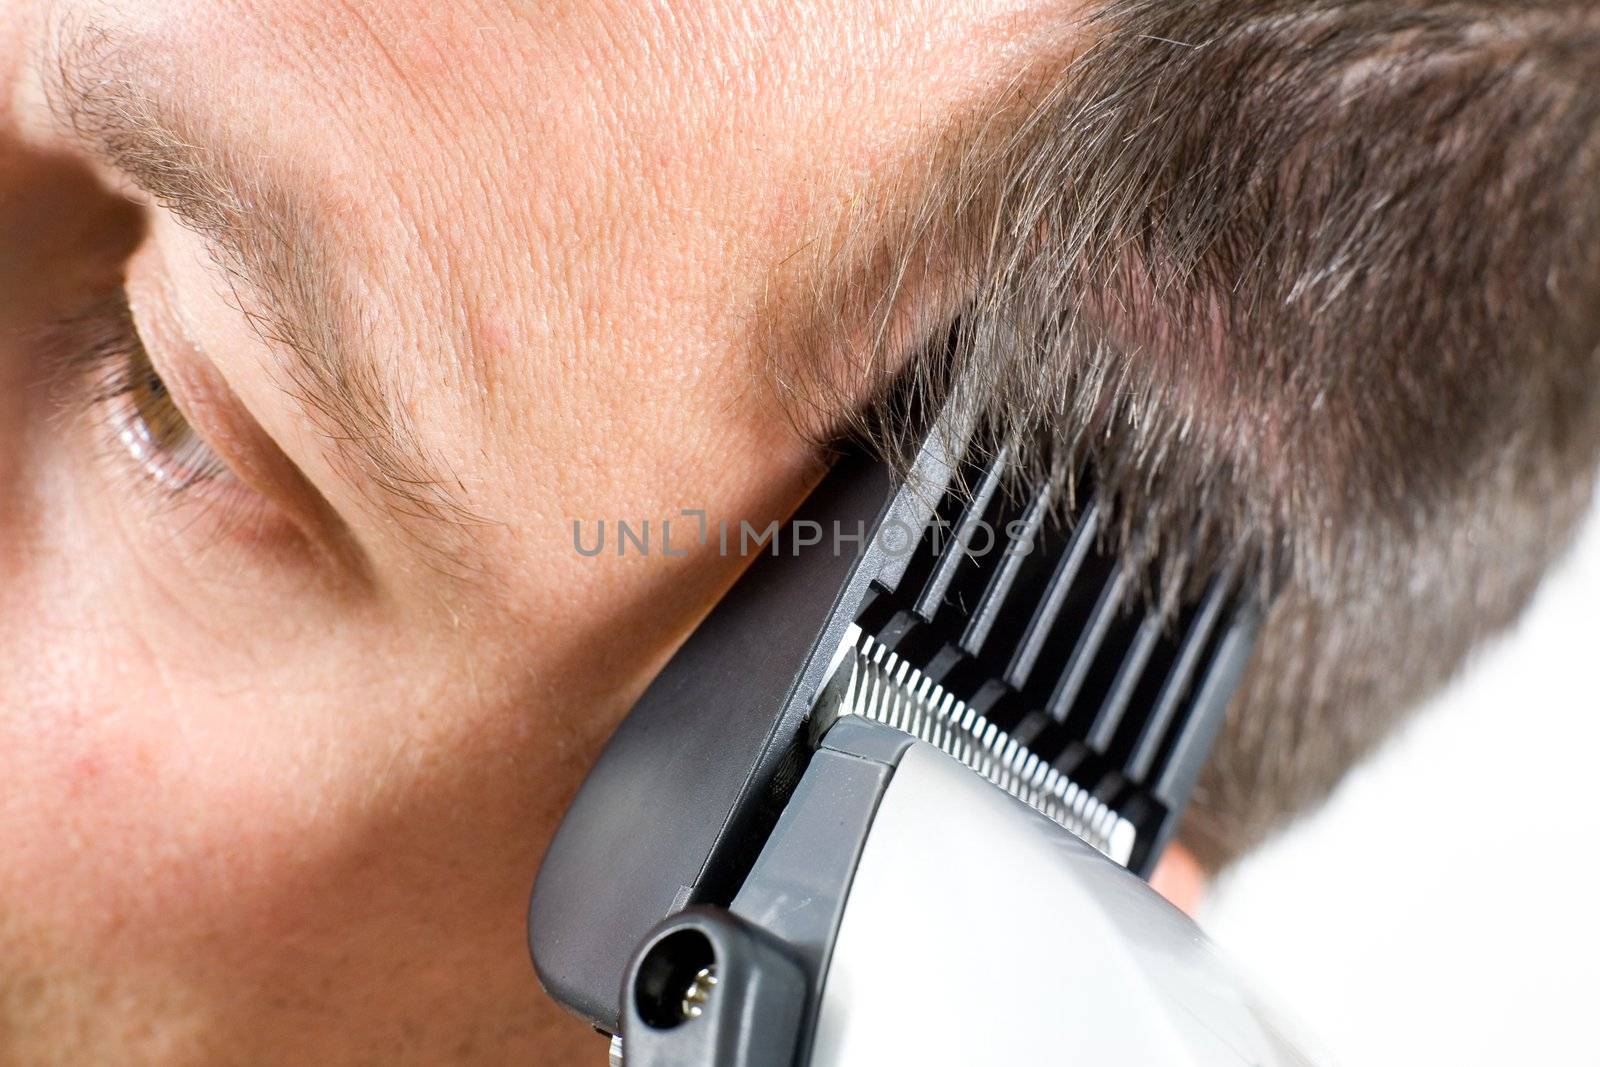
[[831, 88], [562, 218], [500, 229], [571, 145]]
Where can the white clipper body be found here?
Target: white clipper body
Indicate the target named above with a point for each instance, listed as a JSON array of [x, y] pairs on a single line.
[[1116, 976], [937, 920]]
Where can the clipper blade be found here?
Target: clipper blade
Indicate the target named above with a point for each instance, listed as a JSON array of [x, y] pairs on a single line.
[[869, 680]]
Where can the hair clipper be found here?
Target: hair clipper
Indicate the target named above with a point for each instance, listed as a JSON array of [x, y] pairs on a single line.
[[894, 804]]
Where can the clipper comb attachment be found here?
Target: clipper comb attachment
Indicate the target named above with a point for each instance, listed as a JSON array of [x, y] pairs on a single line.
[[1017, 645]]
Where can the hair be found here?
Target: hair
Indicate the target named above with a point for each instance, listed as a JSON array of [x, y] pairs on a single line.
[[1313, 286]]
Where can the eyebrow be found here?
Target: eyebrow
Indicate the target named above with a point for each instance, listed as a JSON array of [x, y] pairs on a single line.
[[266, 237]]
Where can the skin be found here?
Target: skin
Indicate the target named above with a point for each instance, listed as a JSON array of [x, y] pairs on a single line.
[[277, 776]]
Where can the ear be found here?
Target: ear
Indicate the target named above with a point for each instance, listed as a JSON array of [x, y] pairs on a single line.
[[1180, 878]]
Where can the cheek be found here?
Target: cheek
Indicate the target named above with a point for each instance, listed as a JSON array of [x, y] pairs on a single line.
[[150, 793], [119, 810], [179, 792], [123, 826], [217, 817]]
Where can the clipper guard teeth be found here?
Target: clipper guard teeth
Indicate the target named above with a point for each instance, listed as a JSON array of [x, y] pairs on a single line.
[[1012, 640]]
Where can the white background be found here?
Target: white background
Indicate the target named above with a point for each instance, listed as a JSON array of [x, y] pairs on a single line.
[[1445, 907]]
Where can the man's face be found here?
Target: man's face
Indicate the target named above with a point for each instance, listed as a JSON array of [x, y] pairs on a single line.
[[319, 326]]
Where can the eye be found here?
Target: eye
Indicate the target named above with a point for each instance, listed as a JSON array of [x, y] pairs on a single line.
[[144, 422], [156, 433], [169, 436], [169, 450]]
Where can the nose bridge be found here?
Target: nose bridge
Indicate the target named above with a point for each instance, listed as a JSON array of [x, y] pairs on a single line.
[[18, 172], [61, 233], [21, 23]]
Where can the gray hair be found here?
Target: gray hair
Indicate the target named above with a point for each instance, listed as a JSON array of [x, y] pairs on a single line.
[[1313, 286]]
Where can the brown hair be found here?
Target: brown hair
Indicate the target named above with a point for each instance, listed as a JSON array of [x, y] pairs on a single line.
[[1310, 284]]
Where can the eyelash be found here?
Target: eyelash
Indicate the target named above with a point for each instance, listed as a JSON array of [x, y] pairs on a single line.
[[135, 410], [145, 444], [130, 405]]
